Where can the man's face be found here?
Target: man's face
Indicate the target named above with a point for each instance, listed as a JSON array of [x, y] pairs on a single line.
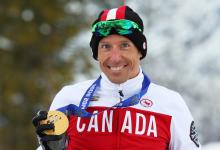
[[118, 57]]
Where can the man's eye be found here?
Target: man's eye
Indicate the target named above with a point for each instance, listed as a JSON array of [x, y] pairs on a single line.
[[125, 45], [105, 46]]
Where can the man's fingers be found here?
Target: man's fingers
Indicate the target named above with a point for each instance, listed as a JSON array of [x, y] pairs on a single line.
[[41, 128], [41, 115]]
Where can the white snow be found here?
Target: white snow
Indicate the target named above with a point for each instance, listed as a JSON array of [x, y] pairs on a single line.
[[212, 146]]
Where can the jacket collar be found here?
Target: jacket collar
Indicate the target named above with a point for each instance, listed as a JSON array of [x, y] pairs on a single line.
[[128, 88]]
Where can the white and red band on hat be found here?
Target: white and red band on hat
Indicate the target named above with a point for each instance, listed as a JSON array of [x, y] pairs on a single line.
[[113, 14]]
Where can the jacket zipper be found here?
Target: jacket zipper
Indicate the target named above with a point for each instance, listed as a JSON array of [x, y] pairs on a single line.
[[121, 95]]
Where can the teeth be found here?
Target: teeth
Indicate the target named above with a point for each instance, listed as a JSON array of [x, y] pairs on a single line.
[[116, 68]]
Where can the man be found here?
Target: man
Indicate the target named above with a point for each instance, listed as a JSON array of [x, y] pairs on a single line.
[[121, 109]]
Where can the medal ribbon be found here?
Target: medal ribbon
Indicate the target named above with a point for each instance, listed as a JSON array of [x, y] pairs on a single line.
[[84, 103]]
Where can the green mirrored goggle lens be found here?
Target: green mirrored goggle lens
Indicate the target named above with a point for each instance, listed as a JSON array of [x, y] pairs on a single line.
[[122, 27]]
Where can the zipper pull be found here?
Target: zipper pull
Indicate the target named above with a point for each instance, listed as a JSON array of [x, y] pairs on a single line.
[[121, 95]]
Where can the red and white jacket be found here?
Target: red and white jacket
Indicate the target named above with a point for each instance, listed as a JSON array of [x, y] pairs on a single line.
[[160, 121]]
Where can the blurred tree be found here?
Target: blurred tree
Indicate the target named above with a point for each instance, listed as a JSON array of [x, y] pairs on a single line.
[[32, 35]]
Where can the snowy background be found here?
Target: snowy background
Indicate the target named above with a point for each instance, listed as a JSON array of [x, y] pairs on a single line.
[[183, 54]]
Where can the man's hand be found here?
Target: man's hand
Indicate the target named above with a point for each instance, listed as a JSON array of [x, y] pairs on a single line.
[[44, 139]]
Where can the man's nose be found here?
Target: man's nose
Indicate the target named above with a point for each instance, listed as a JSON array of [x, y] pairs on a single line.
[[115, 54]]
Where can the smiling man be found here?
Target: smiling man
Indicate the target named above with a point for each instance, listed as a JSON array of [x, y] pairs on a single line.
[[121, 109], [119, 58]]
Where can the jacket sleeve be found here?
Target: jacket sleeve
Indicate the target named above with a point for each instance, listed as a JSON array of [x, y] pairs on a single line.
[[183, 131]]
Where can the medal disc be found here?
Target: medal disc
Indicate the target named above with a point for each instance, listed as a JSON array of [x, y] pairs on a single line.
[[59, 120]]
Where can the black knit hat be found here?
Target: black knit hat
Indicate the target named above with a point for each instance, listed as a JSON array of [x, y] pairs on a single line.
[[122, 12]]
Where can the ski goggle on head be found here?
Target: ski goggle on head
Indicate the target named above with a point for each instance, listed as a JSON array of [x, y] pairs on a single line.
[[122, 27]]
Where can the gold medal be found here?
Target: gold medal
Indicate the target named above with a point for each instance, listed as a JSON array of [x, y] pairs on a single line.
[[59, 120]]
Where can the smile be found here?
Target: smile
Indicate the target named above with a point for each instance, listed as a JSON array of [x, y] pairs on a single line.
[[117, 68]]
